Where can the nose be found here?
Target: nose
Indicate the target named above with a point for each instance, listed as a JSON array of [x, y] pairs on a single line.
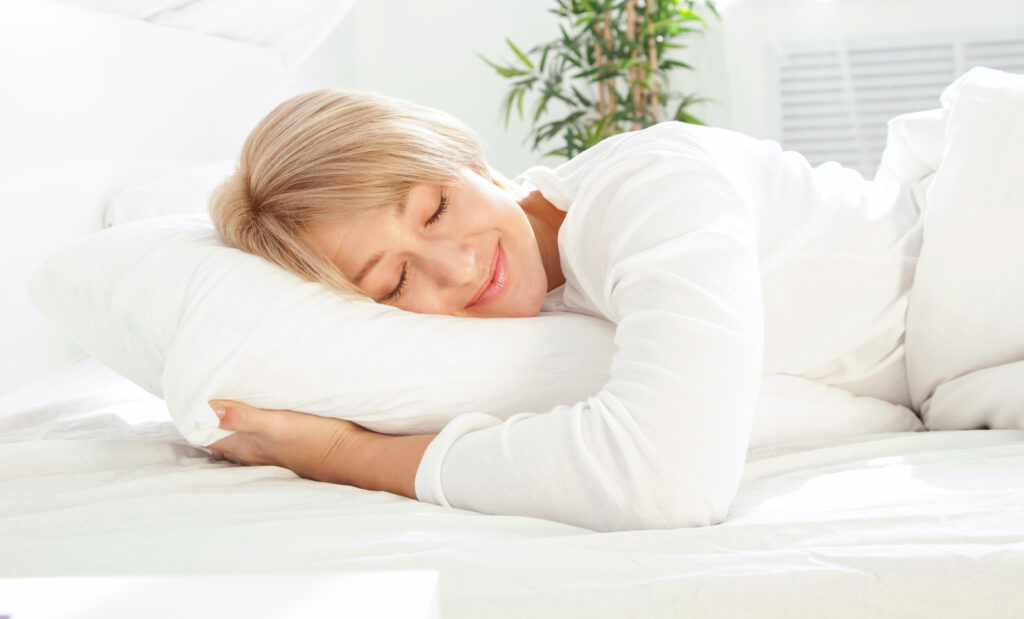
[[452, 263]]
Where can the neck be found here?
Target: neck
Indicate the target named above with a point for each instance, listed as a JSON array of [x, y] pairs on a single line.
[[546, 220]]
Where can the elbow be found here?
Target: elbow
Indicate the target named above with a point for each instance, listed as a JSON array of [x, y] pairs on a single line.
[[683, 513], [676, 504], [644, 518]]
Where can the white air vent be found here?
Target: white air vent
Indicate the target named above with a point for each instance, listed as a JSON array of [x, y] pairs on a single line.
[[834, 104], [1005, 55]]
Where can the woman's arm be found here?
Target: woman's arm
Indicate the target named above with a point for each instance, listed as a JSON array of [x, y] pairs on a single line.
[[320, 448], [661, 243]]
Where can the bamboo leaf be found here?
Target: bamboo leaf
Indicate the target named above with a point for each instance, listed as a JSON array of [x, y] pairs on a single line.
[[675, 64], [587, 72], [688, 15], [629, 63], [541, 107], [677, 30], [504, 71], [583, 100], [508, 105], [521, 55], [591, 50], [544, 58], [683, 115]]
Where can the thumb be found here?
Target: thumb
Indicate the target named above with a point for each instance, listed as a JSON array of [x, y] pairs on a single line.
[[235, 415]]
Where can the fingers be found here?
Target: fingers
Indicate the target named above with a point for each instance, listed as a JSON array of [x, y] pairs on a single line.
[[239, 417], [218, 408], [225, 448], [235, 448]]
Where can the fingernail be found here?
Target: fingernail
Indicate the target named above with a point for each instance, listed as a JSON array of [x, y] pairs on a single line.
[[218, 410]]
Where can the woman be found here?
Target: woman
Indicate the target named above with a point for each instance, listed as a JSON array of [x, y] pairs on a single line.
[[694, 241]]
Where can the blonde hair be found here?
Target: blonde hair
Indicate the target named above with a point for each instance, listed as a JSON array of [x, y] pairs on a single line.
[[327, 155]]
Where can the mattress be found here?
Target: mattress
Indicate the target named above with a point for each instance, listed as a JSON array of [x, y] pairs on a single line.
[[97, 481]]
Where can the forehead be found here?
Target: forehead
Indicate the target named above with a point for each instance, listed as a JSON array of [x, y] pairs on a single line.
[[350, 242]]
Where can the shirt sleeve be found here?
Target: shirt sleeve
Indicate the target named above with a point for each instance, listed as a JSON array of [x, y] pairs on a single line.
[[663, 246]]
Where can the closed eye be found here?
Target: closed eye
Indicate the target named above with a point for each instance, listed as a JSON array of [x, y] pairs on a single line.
[[441, 208], [397, 292]]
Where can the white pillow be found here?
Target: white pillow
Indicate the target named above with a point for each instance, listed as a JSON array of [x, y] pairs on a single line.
[[185, 191], [164, 302], [965, 335]]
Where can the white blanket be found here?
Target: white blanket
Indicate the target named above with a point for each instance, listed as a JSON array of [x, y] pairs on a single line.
[[96, 481]]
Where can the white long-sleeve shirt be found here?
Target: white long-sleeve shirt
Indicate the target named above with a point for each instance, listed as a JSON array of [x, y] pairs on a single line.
[[718, 257]]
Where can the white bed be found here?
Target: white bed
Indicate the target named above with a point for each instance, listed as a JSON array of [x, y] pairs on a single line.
[[96, 480]]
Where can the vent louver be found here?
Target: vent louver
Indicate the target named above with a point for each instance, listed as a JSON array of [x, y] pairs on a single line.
[[834, 104]]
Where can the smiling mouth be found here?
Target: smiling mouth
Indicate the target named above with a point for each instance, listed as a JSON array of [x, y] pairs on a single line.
[[495, 284]]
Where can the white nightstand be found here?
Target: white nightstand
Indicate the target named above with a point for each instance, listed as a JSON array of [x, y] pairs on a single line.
[[352, 595]]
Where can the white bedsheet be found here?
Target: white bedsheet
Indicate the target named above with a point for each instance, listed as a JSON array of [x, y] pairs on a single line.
[[96, 480]]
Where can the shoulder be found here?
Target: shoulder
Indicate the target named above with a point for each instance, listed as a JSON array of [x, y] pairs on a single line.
[[619, 157], [666, 137], [647, 191]]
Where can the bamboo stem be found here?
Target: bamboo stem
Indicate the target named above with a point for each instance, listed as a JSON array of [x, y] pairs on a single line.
[[636, 96], [610, 81], [602, 104], [652, 58]]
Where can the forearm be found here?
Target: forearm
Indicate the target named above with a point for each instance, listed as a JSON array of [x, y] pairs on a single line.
[[374, 461], [320, 448]]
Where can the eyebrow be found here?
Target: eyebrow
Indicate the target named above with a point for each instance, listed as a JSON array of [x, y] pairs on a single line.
[[363, 272], [376, 258]]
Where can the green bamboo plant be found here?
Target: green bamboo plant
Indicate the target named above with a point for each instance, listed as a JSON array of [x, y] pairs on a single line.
[[606, 73]]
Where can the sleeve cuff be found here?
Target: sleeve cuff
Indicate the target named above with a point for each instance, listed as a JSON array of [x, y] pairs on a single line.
[[428, 475]]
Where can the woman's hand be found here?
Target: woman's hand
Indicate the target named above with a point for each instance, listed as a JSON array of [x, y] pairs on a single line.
[[320, 448], [309, 445]]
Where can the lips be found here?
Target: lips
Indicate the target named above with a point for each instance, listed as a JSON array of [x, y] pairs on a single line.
[[496, 280]]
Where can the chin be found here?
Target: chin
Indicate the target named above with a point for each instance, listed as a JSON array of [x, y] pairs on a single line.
[[518, 311], [524, 313], [530, 308]]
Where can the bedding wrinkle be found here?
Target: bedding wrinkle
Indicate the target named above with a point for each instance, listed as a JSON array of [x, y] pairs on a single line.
[[814, 519]]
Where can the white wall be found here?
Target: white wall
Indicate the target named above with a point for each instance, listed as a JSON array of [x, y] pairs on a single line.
[[426, 51], [91, 103]]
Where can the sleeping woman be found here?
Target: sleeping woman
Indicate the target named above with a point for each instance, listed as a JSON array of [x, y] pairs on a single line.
[[717, 256]]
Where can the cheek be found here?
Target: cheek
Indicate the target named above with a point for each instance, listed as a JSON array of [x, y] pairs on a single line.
[[532, 286]]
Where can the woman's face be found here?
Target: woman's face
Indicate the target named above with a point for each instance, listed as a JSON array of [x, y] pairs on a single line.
[[464, 250]]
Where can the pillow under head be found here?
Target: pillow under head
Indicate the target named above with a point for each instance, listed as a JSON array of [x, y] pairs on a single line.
[[165, 303]]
